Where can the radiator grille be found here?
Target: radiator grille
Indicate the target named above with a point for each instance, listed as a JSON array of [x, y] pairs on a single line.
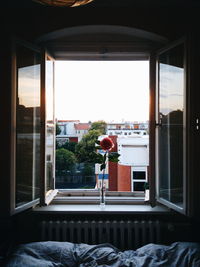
[[122, 234]]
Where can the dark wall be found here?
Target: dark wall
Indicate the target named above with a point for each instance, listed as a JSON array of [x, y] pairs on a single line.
[[29, 23]]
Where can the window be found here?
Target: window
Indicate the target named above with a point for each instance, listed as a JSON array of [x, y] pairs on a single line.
[[27, 125], [172, 126], [171, 133], [139, 178]]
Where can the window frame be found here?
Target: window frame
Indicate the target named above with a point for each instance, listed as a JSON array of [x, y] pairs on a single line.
[[138, 169], [46, 196], [186, 133], [14, 42], [152, 133], [136, 198]]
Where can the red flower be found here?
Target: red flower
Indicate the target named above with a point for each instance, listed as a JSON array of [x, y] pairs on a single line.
[[106, 144]]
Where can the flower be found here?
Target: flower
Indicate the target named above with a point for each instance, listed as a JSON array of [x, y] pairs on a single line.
[[107, 144]]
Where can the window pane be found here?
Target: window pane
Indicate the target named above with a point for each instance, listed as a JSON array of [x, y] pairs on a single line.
[[27, 125], [139, 175], [138, 186], [49, 125], [171, 108]]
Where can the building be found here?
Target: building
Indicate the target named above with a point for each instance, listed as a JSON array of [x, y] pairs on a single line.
[[81, 129], [71, 131], [127, 128], [133, 162], [131, 172]]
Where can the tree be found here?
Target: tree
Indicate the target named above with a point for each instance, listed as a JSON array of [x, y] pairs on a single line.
[[65, 159], [99, 125], [71, 146], [88, 169], [86, 147], [58, 130]]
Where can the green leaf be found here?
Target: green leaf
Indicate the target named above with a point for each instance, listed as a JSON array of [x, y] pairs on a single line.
[[97, 142], [98, 158], [113, 157]]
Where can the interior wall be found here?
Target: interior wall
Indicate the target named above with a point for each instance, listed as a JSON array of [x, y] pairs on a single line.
[[32, 23], [172, 23]]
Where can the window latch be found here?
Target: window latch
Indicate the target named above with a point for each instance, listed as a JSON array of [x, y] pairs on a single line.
[[197, 124], [158, 124]]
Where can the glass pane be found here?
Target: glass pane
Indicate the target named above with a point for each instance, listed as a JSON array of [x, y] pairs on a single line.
[[171, 108], [49, 124], [138, 186], [139, 175], [27, 125]]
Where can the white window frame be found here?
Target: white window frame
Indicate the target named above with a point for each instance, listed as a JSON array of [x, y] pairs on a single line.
[[138, 169]]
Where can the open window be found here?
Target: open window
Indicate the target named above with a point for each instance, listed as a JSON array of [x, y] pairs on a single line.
[[26, 136], [33, 138], [34, 149], [172, 126]]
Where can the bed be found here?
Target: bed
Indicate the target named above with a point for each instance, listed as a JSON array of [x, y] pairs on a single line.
[[64, 254]]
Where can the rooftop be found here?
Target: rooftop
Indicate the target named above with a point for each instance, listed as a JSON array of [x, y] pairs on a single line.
[[82, 126]]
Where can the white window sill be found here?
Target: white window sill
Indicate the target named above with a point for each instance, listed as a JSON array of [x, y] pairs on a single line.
[[95, 208]]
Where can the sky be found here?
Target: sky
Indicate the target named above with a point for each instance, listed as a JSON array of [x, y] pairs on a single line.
[[113, 91], [171, 88]]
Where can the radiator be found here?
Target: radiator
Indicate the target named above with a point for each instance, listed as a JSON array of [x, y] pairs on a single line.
[[122, 234]]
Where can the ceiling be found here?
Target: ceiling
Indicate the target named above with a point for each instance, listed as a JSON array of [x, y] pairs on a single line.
[[109, 3], [101, 42]]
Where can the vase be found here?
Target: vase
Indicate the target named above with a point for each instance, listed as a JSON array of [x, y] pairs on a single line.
[[102, 194]]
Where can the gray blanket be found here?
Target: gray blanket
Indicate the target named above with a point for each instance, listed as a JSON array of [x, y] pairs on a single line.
[[65, 254]]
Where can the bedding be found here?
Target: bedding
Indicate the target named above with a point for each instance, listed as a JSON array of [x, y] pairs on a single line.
[[65, 254]]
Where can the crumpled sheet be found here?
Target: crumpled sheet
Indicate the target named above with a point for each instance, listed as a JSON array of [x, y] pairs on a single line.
[[66, 254]]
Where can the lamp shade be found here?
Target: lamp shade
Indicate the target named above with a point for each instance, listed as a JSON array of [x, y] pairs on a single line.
[[63, 3]]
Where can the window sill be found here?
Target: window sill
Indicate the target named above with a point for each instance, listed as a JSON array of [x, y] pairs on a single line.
[[95, 209]]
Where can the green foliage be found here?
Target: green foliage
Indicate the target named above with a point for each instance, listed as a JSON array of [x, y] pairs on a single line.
[[113, 156], [58, 130], [146, 186], [99, 125], [85, 149], [88, 169], [57, 145], [71, 146], [65, 159]]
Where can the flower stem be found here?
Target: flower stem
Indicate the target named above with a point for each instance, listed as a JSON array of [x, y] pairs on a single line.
[[102, 183]]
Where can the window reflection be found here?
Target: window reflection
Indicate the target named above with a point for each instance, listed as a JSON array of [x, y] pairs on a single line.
[[27, 125], [171, 109]]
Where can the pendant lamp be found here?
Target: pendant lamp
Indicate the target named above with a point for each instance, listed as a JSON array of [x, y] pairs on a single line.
[[63, 3]]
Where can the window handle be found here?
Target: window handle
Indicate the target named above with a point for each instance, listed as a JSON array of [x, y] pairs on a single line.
[[158, 124], [197, 124]]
